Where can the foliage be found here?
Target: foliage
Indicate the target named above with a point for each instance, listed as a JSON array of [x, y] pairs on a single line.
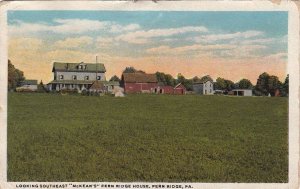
[[244, 84], [147, 138], [267, 84], [69, 91], [187, 83], [224, 84], [115, 78], [132, 70], [41, 88], [284, 90], [15, 76], [166, 79]]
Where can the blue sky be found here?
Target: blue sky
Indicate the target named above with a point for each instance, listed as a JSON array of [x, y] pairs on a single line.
[[145, 36]]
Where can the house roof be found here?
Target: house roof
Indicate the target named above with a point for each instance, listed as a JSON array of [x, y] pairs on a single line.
[[73, 67], [204, 79], [29, 82], [97, 85], [139, 78], [179, 84]]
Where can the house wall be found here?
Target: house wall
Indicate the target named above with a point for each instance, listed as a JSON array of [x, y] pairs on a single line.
[[205, 88], [248, 93], [139, 87], [80, 75], [29, 87], [198, 88]]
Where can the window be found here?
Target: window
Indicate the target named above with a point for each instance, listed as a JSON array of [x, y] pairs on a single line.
[[61, 77], [86, 77], [98, 77], [74, 77]]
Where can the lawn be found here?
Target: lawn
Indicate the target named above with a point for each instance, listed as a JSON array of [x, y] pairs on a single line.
[[147, 138]]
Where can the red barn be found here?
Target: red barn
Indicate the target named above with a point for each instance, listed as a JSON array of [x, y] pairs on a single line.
[[138, 82], [178, 89]]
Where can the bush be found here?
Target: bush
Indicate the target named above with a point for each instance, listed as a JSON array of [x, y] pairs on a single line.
[[68, 91]]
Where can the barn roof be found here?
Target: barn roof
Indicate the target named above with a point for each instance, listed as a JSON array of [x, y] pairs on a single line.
[[139, 78], [74, 67]]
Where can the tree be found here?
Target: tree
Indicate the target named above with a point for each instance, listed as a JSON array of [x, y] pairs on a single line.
[[41, 88], [262, 84], [15, 76], [244, 84], [165, 79], [129, 70], [187, 83], [220, 84], [115, 78], [224, 84], [132, 70], [285, 87], [267, 84]]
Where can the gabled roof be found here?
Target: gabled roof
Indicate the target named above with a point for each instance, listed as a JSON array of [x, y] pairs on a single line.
[[179, 84], [29, 82], [204, 79], [139, 78], [97, 85], [90, 67]]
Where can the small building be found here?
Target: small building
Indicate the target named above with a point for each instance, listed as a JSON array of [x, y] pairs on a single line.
[[178, 89], [97, 87], [204, 86], [28, 85], [111, 86], [241, 92], [138, 82]]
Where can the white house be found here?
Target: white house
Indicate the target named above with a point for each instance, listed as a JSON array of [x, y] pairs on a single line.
[[28, 85], [78, 76], [204, 86]]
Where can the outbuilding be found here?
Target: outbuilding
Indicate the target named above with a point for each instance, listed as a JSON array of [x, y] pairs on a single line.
[[28, 85], [138, 82], [178, 89], [241, 92]]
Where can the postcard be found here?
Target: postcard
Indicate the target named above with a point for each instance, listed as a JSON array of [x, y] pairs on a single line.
[[149, 95]]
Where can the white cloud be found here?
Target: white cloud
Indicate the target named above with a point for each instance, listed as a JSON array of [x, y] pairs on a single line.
[[238, 35], [116, 28], [82, 41], [143, 36], [188, 48], [70, 26], [105, 39]]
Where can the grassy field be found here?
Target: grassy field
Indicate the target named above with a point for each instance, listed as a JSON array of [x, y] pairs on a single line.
[[147, 138]]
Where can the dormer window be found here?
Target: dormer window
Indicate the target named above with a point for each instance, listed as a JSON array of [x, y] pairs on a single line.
[[61, 77], [98, 77], [74, 77], [86, 77]]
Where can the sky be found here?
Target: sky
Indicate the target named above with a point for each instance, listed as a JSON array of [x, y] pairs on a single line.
[[232, 45]]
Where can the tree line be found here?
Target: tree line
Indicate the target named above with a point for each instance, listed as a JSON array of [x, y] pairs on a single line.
[[266, 84]]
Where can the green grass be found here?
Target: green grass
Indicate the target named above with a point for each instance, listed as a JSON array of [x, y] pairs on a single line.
[[147, 138]]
